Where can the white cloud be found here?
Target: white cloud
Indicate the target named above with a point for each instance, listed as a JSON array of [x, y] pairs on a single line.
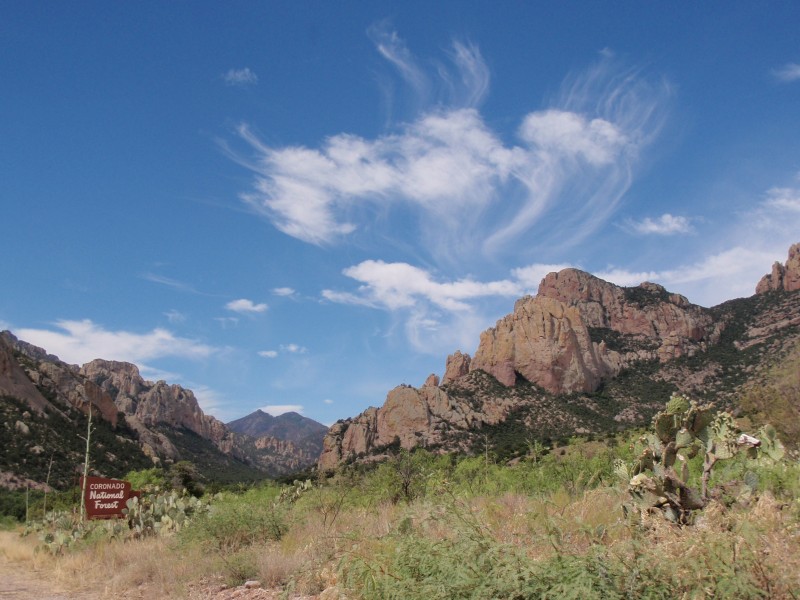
[[438, 315], [279, 409], [294, 349], [732, 263], [283, 291], [783, 199], [788, 72], [572, 135], [627, 278], [327, 401], [467, 190], [245, 306], [400, 285], [268, 353], [666, 224], [712, 279], [240, 77], [79, 342], [174, 316]]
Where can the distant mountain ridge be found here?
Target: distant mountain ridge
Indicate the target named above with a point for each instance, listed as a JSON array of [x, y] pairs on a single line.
[[582, 356], [153, 422], [306, 434]]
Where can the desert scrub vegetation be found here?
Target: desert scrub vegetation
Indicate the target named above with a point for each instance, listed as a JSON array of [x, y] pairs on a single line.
[[430, 526]]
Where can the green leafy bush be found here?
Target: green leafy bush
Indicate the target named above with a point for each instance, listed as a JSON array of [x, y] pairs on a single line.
[[237, 521]]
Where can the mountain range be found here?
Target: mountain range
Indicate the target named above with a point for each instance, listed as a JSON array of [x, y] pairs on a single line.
[[45, 404], [582, 357]]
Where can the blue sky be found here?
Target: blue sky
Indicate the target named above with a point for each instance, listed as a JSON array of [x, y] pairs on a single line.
[[306, 204]]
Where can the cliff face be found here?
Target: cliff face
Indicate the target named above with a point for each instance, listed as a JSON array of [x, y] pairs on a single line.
[[36, 374], [577, 334], [158, 413], [13, 380], [152, 403], [783, 277], [552, 339]]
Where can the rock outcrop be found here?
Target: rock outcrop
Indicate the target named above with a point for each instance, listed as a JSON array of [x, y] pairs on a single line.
[[41, 372], [13, 380], [410, 417], [156, 411], [456, 367], [576, 333], [783, 277], [557, 339], [152, 403]]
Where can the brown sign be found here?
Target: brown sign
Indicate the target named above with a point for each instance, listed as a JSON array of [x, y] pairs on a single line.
[[105, 498]]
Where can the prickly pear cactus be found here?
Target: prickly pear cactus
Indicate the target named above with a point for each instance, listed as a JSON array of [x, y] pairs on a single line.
[[161, 514], [659, 477], [291, 494]]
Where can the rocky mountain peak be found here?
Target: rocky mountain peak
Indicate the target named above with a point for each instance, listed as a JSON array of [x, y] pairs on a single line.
[[457, 366], [783, 277], [580, 329]]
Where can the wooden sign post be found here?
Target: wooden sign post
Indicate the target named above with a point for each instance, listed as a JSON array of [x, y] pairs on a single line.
[[105, 498]]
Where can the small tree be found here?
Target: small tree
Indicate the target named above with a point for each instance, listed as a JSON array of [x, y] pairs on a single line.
[[184, 475]]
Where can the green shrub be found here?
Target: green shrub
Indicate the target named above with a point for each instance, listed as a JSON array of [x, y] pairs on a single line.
[[238, 521]]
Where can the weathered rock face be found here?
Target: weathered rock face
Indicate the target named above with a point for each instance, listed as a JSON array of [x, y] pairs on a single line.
[[432, 380], [153, 403], [45, 383], [548, 339], [457, 366], [783, 277], [43, 371], [577, 332], [410, 417], [13, 380]]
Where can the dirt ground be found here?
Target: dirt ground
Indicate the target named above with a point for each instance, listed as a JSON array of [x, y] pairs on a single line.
[[21, 579]]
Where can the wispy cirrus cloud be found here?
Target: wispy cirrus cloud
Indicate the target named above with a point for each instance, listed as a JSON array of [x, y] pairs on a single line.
[[465, 190], [79, 342], [240, 77], [245, 306], [787, 73], [268, 353], [666, 224], [169, 282], [463, 83]]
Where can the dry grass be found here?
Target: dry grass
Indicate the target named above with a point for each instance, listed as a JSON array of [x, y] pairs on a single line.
[[17, 549], [763, 538]]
